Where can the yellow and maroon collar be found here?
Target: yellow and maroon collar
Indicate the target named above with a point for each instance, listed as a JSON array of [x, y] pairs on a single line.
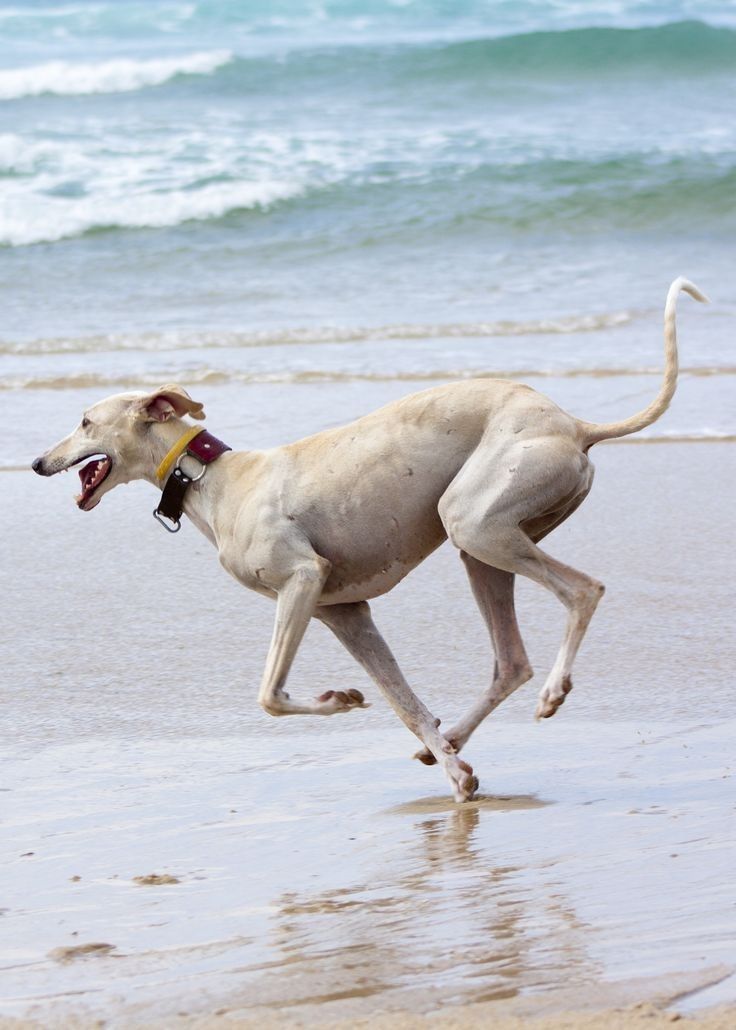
[[177, 450], [204, 448]]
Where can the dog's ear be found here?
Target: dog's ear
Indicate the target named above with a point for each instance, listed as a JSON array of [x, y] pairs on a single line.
[[166, 402]]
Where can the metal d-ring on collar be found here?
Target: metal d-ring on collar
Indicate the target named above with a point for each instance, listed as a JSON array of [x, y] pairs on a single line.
[[203, 448], [171, 504]]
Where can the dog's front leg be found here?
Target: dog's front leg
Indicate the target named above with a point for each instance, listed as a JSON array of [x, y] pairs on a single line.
[[297, 600], [354, 628]]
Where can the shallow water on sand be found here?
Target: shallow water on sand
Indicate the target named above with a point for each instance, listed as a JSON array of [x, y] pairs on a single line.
[[316, 864], [306, 878]]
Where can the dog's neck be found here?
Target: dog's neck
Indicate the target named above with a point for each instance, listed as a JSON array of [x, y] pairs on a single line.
[[160, 438], [198, 501]]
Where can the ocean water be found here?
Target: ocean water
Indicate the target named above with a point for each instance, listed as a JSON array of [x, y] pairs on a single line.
[[341, 192]]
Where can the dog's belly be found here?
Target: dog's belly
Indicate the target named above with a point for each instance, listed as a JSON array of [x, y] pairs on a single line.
[[370, 572], [375, 537], [381, 583]]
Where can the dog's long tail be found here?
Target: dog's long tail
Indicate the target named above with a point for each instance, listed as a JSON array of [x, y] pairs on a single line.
[[609, 431]]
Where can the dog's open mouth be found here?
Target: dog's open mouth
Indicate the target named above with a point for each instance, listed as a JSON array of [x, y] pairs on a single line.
[[92, 476]]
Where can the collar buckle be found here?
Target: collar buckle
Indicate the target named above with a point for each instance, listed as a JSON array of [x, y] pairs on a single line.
[[160, 518]]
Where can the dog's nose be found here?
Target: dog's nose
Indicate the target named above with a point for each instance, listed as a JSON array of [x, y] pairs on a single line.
[[37, 466]]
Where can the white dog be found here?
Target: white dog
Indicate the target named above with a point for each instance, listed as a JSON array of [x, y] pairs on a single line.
[[328, 522]]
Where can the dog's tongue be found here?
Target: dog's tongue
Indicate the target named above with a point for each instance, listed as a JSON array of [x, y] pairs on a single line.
[[90, 476], [86, 473]]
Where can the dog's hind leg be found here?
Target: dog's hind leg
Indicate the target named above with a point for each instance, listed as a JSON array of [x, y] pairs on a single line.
[[579, 593], [354, 628], [490, 518], [493, 590]]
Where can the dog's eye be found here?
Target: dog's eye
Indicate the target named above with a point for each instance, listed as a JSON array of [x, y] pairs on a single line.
[[85, 422]]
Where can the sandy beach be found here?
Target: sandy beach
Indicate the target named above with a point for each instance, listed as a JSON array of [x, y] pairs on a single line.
[[171, 853]]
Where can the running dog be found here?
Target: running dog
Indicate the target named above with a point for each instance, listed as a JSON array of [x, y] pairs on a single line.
[[327, 523]]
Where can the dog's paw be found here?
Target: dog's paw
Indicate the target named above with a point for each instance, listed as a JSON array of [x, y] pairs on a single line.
[[425, 756], [462, 779], [464, 782], [341, 701], [552, 698]]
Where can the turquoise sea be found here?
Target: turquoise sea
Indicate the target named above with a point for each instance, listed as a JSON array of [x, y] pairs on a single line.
[[343, 192]]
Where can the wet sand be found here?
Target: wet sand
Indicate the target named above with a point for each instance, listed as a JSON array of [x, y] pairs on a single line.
[[169, 853]]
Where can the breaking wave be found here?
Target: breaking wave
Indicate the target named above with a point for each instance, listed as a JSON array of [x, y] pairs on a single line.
[[630, 191], [684, 47], [49, 219], [119, 75]]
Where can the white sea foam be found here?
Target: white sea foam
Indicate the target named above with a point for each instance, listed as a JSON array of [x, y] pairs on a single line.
[[121, 75], [43, 219], [60, 188], [204, 339], [17, 155], [206, 375]]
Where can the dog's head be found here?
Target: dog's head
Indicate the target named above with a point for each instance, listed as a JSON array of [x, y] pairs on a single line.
[[115, 440]]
